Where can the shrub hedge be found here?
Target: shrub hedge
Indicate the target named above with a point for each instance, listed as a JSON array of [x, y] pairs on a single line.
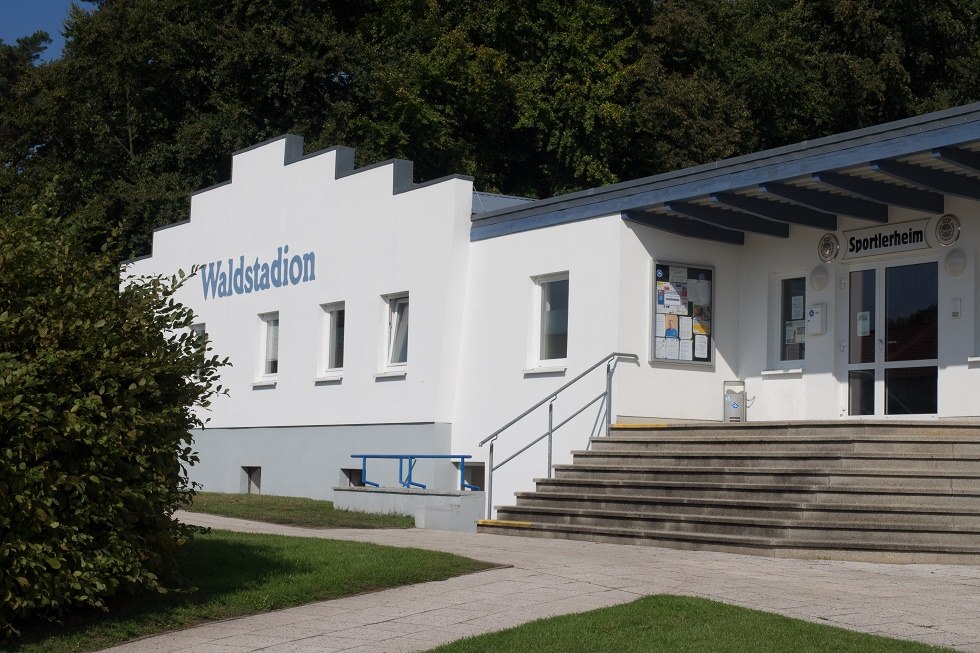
[[99, 387]]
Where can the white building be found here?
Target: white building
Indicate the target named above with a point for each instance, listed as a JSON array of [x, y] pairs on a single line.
[[365, 314]]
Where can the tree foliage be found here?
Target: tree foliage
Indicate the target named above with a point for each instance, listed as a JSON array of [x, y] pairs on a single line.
[[98, 390], [541, 98]]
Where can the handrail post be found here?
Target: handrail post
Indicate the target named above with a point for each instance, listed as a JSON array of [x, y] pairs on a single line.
[[610, 360], [609, 382], [490, 482], [551, 430]]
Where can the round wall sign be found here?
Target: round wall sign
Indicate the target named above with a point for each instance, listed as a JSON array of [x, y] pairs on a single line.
[[828, 247], [947, 230]]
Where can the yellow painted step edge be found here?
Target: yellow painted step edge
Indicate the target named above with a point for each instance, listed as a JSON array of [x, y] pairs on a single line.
[[504, 523], [652, 425]]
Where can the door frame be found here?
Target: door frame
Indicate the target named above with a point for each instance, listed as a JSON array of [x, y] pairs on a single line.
[[880, 365]]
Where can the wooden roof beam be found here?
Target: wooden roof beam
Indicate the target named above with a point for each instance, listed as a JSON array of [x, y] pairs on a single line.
[[935, 180], [829, 202], [910, 198], [790, 213], [685, 227]]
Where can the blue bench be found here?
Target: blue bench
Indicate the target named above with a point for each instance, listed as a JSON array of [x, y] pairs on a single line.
[[406, 480]]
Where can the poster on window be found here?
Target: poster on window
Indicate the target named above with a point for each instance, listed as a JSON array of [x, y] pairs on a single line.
[[682, 313]]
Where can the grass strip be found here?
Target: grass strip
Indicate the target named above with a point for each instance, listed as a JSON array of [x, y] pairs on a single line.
[[237, 574], [679, 624], [292, 511]]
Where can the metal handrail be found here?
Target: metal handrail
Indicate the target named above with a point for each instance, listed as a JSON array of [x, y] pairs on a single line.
[[545, 434], [549, 399]]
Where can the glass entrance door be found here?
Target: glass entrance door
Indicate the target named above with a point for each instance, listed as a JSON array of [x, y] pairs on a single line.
[[892, 346]]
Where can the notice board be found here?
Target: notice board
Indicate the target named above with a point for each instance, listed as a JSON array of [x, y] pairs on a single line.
[[682, 313]]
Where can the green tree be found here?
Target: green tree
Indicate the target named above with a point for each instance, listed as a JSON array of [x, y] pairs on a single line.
[[99, 388], [800, 70], [17, 75], [151, 96]]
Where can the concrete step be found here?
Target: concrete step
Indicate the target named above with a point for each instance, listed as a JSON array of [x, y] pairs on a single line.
[[872, 478], [886, 429], [762, 444], [932, 516], [839, 494], [778, 458], [814, 533], [893, 552], [883, 491]]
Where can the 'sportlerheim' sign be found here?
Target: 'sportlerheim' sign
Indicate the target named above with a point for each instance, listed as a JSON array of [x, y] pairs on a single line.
[[886, 239], [241, 278]]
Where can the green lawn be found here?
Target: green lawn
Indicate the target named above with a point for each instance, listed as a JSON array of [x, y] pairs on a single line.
[[292, 511], [237, 574], [679, 624]]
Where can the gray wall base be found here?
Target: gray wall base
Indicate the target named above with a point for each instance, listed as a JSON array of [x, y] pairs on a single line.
[[308, 461], [443, 510]]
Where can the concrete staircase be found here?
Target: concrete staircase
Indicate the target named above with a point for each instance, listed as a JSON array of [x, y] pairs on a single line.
[[874, 491]]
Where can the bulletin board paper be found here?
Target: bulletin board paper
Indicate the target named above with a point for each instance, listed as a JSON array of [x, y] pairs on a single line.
[[682, 313]]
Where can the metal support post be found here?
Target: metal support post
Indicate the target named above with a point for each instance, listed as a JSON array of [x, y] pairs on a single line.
[[551, 431], [609, 381], [490, 482]]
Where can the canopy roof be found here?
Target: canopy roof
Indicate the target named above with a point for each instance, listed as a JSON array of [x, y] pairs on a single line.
[[913, 163]]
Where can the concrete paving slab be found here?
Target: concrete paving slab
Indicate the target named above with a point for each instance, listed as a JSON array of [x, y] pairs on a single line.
[[936, 604]]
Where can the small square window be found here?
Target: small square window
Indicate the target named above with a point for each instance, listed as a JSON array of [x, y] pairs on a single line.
[[334, 317], [199, 334], [198, 330], [352, 477], [270, 344], [553, 318], [792, 299], [398, 330], [251, 480]]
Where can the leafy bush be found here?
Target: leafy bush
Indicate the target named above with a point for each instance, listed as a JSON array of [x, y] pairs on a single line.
[[98, 390]]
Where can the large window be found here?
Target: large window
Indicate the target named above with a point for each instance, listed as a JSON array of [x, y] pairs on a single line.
[[270, 344], [792, 300], [398, 330], [553, 330], [333, 336]]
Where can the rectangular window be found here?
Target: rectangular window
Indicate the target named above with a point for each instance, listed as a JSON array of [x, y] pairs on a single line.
[[398, 330], [270, 364], [197, 330], [198, 333], [792, 300], [251, 482], [333, 345], [553, 331]]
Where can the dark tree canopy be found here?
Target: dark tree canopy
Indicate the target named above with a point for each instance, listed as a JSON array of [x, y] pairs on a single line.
[[151, 96]]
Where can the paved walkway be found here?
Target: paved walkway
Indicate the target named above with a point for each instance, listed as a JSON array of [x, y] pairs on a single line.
[[938, 604]]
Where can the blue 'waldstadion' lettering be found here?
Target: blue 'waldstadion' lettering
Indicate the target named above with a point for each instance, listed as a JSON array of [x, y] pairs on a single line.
[[241, 278]]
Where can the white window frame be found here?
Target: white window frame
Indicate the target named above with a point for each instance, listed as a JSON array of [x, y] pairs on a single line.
[[395, 321], [265, 376], [777, 331], [327, 367], [782, 319], [199, 330], [537, 362]]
